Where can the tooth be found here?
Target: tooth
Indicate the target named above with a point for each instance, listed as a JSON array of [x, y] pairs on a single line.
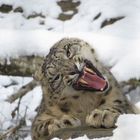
[[88, 70], [83, 81], [101, 89]]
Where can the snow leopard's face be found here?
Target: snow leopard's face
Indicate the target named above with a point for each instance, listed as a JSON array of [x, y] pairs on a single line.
[[71, 64]]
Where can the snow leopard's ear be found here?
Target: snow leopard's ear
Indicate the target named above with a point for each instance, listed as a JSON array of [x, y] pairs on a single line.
[[38, 75]]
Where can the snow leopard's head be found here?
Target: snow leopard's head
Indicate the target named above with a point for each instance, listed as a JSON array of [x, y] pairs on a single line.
[[71, 64]]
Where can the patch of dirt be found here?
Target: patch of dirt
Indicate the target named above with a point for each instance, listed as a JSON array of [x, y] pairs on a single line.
[[68, 5], [18, 9], [4, 8], [34, 15], [97, 16], [111, 21]]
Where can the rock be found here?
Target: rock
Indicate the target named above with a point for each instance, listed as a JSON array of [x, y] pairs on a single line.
[[4, 8], [81, 131]]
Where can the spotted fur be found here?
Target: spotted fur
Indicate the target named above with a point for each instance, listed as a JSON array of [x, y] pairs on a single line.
[[62, 106]]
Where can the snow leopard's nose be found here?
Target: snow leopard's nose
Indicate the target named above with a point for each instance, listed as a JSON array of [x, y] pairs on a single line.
[[75, 70], [79, 66]]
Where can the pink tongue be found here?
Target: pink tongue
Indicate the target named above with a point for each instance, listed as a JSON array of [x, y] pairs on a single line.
[[94, 81]]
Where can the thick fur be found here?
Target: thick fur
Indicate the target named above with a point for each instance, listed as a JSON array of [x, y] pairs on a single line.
[[62, 106]]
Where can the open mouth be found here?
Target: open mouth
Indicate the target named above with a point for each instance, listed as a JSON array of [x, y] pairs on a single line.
[[90, 79]]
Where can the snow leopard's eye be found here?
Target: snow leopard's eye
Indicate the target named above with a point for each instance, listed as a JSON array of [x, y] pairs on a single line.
[[68, 53], [56, 77], [67, 48]]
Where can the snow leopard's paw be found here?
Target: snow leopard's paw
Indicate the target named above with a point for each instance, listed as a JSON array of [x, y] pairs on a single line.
[[65, 122], [102, 118]]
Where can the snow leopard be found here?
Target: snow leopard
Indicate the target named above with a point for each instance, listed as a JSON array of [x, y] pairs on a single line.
[[78, 90]]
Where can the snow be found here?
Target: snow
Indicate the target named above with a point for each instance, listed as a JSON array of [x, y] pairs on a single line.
[[35, 6], [113, 51], [128, 128], [82, 21], [117, 46], [6, 108], [17, 20]]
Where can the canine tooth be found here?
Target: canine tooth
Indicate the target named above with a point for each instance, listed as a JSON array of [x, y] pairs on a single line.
[[88, 70], [101, 89], [83, 81]]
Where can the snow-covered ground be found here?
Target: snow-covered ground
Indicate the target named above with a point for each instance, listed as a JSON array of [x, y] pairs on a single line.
[[113, 51], [117, 46]]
